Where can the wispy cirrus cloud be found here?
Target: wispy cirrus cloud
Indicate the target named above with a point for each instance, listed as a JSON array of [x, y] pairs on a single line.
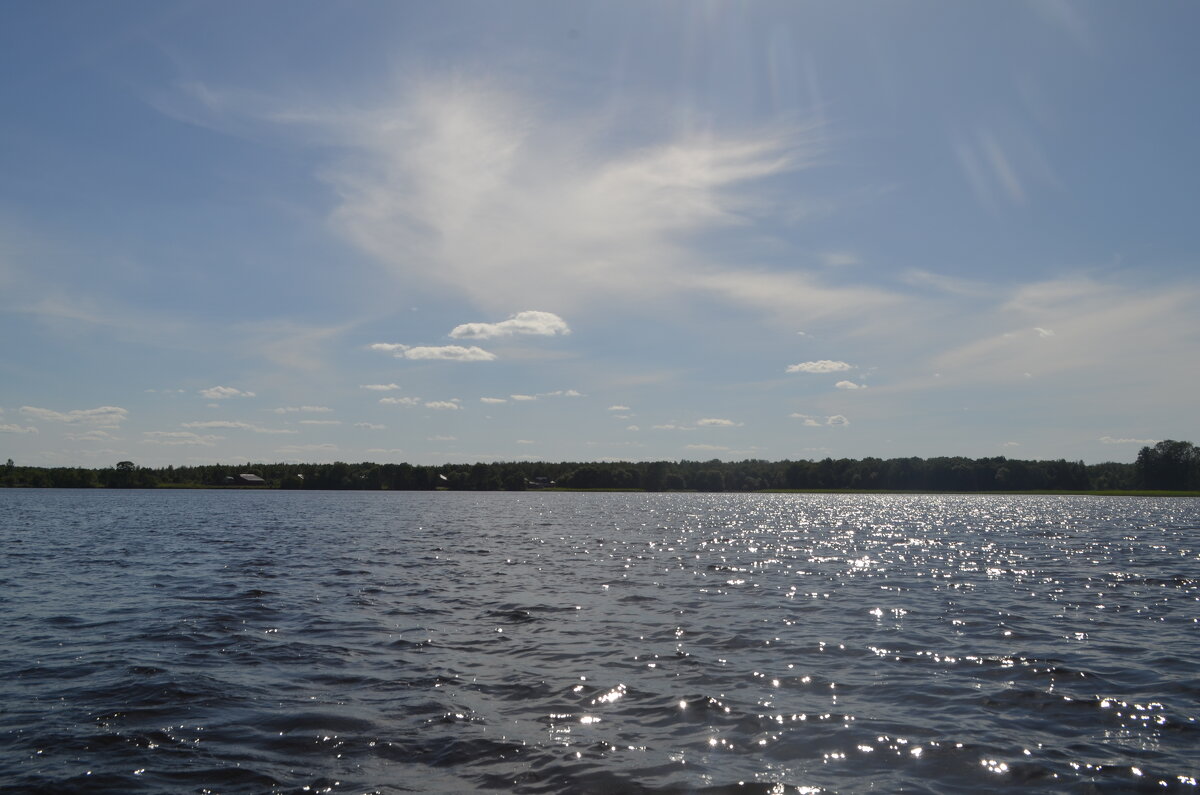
[[224, 393], [544, 324], [173, 438], [11, 428], [482, 191], [821, 366], [236, 425], [103, 416]]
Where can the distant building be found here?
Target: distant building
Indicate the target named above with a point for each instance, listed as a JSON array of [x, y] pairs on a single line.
[[245, 479]]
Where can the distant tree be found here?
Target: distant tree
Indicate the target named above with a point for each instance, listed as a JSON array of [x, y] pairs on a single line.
[[1169, 465]]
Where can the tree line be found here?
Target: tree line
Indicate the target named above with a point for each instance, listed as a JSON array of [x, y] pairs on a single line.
[[1168, 465]]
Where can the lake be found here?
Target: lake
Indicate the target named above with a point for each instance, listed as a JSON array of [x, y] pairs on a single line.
[[269, 641]]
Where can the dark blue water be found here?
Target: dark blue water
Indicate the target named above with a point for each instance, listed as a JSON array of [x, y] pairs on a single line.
[[177, 641]]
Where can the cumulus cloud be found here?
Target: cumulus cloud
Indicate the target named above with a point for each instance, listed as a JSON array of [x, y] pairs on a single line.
[[302, 409], [443, 405], [561, 393], [224, 393], [817, 422], [403, 401], [716, 422], [523, 397], [451, 353], [236, 425], [10, 428], [492, 400], [180, 438], [546, 324], [821, 366], [104, 416], [849, 385], [380, 387]]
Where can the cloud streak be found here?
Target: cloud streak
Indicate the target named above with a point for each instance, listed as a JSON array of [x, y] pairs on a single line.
[[543, 324]]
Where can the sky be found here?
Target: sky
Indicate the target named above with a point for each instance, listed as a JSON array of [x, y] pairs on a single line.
[[475, 231]]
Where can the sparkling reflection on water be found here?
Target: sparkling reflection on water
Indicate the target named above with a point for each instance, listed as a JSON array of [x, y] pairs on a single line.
[[352, 642]]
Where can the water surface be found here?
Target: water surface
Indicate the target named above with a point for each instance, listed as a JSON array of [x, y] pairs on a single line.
[[189, 641]]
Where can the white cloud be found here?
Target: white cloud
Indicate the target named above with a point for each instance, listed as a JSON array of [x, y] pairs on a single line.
[[709, 447], [180, 438], [849, 385], [523, 397], [1043, 332], [632, 428], [817, 422], [224, 393], [479, 189], [442, 439], [492, 400], [236, 425], [379, 387], [302, 409], [443, 405], [561, 393], [618, 408], [1111, 440], [384, 450], [672, 427], [822, 366], [809, 420], [320, 422], [715, 422], [526, 441], [104, 416], [404, 401], [17, 429], [370, 426], [450, 353], [96, 435], [530, 322], [388, 347]]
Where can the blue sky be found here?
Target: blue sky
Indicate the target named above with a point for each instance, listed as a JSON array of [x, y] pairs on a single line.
[[452, 232]]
